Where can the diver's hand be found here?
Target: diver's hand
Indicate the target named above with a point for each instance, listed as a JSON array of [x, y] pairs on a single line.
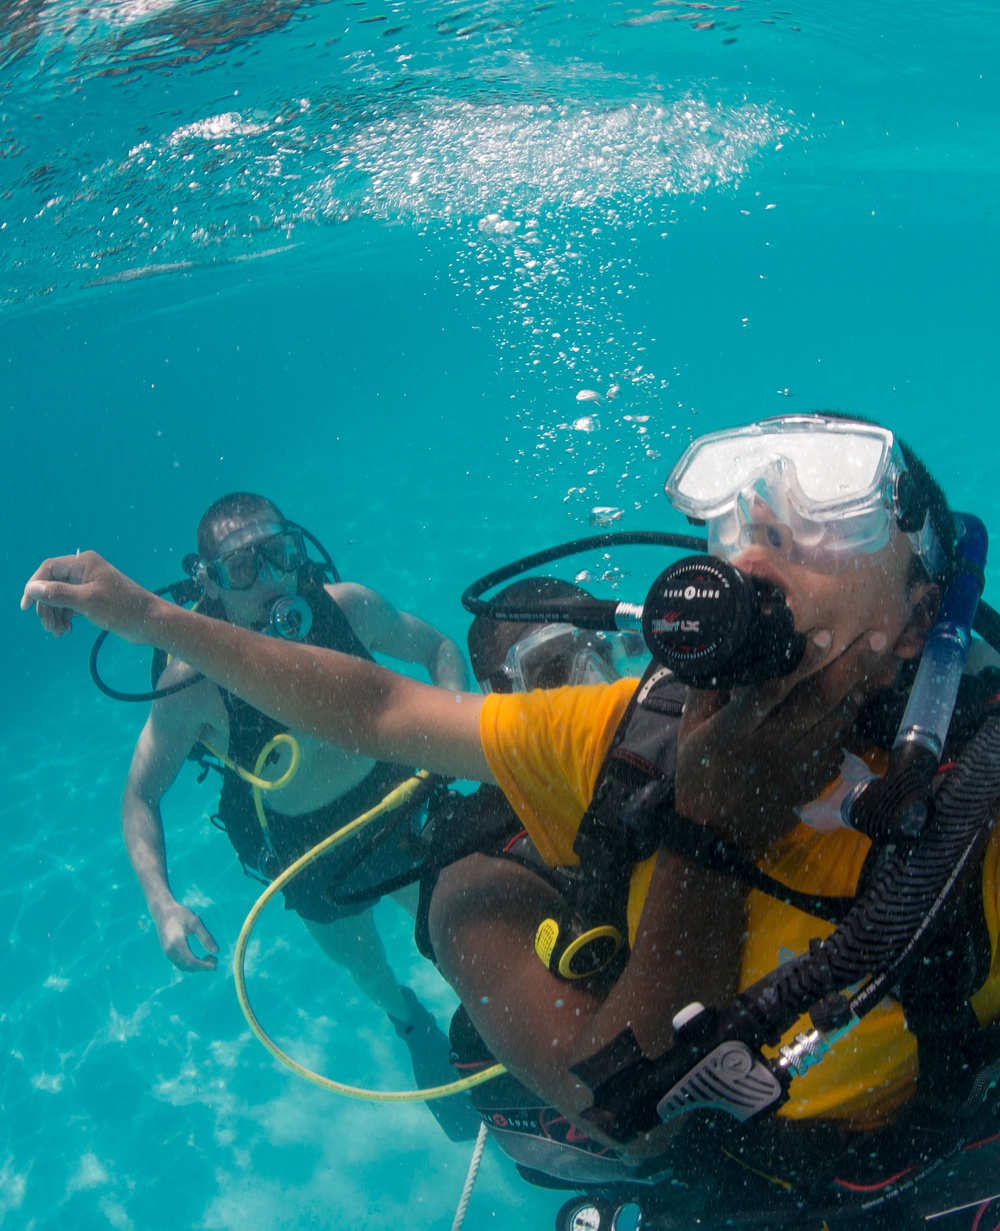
[[744, 764], [174, 925], [86, 584]]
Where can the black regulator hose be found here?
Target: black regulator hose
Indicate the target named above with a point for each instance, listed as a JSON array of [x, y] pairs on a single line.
[[882, 936], [886, 929], [180, 592], [599, 613]]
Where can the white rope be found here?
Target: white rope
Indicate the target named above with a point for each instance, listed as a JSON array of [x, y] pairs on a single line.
[[470, 1179]]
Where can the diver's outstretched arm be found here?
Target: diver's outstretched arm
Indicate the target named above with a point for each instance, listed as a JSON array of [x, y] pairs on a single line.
[[335, 697]]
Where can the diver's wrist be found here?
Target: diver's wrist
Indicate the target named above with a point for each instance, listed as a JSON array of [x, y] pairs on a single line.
[[170, 627]]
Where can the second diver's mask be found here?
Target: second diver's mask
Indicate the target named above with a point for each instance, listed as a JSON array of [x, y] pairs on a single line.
[[557, 654], [267, 552]]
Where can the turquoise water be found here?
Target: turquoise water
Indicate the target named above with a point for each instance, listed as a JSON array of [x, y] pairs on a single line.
[[364, 257]]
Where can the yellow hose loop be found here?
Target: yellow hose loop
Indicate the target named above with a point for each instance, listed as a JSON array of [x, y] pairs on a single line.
[[257, 790], [254, 779], [395, 799]]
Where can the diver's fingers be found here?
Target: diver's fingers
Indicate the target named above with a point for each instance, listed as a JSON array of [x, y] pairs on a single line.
[[55, 589], [184, 958], [56, 600], [838, 689], [205, 936], [58, 569], [175, 936], [56, 603], [56, 620], [55, 594], [699, 705], [49, 617], [88, 585], [754, 704], [823, 752]]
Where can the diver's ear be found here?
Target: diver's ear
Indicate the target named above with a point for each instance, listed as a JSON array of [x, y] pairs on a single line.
[[926, 599]]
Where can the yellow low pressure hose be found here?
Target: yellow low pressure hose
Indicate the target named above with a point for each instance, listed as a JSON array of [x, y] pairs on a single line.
[[258, 784], [395, 799], [254, 779]]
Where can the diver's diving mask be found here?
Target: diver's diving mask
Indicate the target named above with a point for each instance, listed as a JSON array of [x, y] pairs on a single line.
[[820, 490], [558, 654], [262, 549]]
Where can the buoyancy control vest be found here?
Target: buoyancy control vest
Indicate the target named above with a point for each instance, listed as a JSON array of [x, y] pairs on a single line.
[[631, 817], [769, 1166], [250, 730]]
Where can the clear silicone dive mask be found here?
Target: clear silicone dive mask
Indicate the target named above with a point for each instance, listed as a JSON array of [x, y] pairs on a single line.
[[559, 654], [820, 490]]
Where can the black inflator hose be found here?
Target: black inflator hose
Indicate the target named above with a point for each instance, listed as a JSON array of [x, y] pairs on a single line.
[[885, 930]]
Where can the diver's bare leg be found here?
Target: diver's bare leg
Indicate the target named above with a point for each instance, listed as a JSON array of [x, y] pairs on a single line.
[[354, 944]]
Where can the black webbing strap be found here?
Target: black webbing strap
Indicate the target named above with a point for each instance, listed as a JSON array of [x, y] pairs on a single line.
[[697, 844], [631, 815]]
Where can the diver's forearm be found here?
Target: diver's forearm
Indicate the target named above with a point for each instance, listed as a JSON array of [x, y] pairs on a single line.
[[142, 832], [687, 948], [333, 696], [343, 700]]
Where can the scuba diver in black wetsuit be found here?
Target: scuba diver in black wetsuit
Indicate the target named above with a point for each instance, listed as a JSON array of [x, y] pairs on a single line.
[[835, 566], [253, 571]]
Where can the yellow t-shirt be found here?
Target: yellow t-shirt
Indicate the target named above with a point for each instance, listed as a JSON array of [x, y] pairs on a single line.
[[546, 748]]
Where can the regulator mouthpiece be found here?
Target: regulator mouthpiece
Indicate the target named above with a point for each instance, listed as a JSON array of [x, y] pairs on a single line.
[[290, 619], [715, 627]]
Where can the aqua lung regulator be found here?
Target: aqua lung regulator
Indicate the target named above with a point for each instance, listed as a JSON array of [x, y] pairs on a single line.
[[716, 627], [712, 625]]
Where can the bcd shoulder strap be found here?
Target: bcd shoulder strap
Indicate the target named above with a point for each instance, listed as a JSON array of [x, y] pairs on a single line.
[[631, 815]]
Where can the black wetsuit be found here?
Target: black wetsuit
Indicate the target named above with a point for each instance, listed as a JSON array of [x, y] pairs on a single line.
[[292, 836]]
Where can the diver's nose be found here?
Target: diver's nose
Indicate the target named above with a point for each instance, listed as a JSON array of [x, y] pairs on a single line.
[[760, 525], [267, 573]]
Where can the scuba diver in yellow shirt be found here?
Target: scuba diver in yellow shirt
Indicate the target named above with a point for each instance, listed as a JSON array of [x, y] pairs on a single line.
[[772, 815]]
